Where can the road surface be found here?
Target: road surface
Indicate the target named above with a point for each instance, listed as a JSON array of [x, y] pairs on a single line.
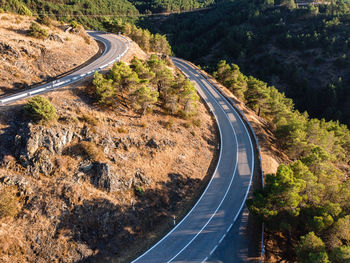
[[198, 235], [115, 49]]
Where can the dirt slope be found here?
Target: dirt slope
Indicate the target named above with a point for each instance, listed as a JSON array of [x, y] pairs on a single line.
[[26, 60]]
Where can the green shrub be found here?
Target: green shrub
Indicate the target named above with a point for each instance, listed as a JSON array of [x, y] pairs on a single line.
[[74, 24], [37, 31], [139, 191], [45, 20], [23, 10], [2, 11], [40, 109]]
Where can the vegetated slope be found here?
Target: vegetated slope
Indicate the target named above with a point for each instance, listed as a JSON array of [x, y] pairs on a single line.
[[305, 205], [27, 59], [304, 52], [78, 10], [103, 175], [160, 6], [88, 12]]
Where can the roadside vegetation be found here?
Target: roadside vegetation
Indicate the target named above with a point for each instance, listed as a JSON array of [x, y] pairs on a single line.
[[143, 84], [40, 109], [308, 200]]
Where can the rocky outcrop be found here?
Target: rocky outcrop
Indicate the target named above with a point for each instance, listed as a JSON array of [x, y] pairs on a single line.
[[53, 139], [21, 182], [104, 178]]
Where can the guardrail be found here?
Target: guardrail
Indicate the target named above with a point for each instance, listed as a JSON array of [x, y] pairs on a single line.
[[64, 82], [240, 112]]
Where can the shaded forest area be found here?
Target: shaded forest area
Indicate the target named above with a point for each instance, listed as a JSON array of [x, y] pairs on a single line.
[[306, 203], [303, 51]]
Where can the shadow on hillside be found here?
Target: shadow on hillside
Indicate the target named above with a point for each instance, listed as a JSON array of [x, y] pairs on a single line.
[[13, 120], [112, 229]]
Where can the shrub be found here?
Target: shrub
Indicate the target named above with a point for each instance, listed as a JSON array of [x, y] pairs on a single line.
[[122, 130], [91, 120], [87, 150], [45, 20], [139, 191], [40, 109], [8, 203], [169, 124], [37, 31], [74, 24], [187, 125], [197, 122], [23, 10]]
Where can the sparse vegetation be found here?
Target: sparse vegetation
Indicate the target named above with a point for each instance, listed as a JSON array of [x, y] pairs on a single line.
[[88, 150], [40, 109], [37, 31], [122, 130], [9, 202]]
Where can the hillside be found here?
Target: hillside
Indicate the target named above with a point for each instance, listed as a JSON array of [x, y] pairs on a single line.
[[28, 60], [101, 181], [303, 52]]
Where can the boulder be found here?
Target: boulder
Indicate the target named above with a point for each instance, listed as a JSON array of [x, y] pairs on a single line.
[[29, 141], [152, 144], [140, 179], [103, 178]]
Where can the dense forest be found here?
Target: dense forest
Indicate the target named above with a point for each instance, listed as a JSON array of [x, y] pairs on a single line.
[[307, 201], [303, 51], [88, 12]]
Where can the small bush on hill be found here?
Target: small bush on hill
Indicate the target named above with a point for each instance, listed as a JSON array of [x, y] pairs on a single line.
[[37, 31], [23, 10], [8, 203], [87, 150], [45, 20], [40, 109]]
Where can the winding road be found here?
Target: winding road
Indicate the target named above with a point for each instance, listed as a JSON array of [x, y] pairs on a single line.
[[115, 49], [197, 236], [202, 230]]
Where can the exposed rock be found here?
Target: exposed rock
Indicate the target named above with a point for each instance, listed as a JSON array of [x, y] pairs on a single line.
[[152, 144], [103, 178], [55, 37], [54, 139], [6, 49], [140, 179], [42, 162], [21, 182]]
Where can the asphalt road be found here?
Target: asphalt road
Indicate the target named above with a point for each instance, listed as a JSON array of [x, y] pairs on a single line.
[[115, 48], [198, 235]]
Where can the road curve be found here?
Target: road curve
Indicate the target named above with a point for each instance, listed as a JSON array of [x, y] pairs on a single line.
[[197, 236], [115, 49]]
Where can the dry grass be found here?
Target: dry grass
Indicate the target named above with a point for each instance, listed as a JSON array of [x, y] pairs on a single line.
[[9, 202], [87, 150], [32, 60]]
